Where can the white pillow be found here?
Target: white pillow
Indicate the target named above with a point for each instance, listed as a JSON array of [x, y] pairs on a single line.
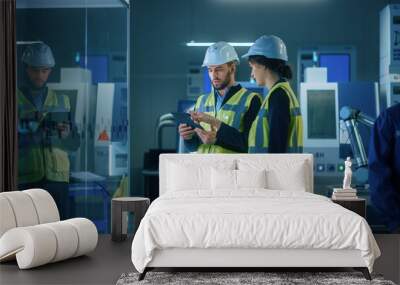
[[251, 178], [187, 175], [223, 179], [282, 174], [292, 179]]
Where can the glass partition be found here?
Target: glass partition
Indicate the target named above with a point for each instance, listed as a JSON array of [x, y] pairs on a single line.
[[73, 103]]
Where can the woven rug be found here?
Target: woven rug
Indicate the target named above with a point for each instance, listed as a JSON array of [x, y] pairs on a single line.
[[243, 278]]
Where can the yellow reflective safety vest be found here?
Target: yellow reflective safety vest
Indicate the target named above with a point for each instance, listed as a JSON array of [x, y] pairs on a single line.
[[259, 132], [230, 113], [38, 161]]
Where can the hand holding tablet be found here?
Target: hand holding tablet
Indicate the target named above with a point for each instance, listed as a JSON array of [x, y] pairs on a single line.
[[184, 118]]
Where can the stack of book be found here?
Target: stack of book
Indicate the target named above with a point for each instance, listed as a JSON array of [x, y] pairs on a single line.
[[344, 194]]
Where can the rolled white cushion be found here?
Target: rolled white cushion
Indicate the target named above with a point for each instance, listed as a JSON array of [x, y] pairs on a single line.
[[45, 206], [87, 235], [7, 218], [67, 240], [33, 246], [23, 208], [37, 245]]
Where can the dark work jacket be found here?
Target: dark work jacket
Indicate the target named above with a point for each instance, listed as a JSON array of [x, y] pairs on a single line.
[[384, 166]]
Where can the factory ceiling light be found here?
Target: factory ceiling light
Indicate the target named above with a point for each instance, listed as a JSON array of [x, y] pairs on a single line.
[[206, 44]]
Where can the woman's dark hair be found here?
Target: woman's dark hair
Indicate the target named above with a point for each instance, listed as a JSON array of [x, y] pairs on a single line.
[[276, 65]]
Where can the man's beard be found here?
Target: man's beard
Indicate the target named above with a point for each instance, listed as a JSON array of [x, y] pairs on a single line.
[[224, 83]]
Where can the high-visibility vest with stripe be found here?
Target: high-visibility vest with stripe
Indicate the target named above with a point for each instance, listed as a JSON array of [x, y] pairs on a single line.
[[38, 161], [230, 113], [259, 132]]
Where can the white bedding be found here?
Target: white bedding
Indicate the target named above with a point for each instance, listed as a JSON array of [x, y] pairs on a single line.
[[251, 218]]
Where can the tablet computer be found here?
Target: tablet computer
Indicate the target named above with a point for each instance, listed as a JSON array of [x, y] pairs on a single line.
[[184, 118]]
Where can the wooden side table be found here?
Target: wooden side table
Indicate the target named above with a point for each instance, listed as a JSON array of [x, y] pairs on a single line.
[[357, 205], [119, 206]]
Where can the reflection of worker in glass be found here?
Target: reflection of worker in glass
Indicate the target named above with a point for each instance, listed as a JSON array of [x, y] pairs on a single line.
[[278, 127], [45, 130], [227, 112], [384, 166]]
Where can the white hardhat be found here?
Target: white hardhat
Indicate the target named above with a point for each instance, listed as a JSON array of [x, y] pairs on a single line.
[[38, 55], [268, 46], [220, 53]]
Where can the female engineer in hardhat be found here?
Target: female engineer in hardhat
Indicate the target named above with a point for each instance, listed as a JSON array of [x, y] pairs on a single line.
[[278, 128]]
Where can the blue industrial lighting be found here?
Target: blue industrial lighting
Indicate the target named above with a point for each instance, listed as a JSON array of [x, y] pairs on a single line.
[[77, 57], [28, 42], [267, 1], [206, 44]]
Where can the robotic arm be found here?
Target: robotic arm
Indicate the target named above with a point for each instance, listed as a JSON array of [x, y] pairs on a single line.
[[351, 118]]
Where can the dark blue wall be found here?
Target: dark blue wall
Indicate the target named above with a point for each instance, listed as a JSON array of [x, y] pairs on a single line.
[[160, 28], [161, 60]]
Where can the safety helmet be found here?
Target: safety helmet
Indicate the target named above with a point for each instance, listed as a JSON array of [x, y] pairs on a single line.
[[38, 55], [268, 46], [220, 53]]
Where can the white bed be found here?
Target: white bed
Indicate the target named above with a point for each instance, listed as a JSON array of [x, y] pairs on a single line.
[[214, 211]]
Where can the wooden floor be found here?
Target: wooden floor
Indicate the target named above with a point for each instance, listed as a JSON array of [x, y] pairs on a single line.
[[103, 266]]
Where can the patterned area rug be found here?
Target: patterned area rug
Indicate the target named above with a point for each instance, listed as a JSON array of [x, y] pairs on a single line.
[[242, 278]]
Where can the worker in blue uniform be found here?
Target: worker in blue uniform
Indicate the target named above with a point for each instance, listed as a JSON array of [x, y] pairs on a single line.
[[384, 166]]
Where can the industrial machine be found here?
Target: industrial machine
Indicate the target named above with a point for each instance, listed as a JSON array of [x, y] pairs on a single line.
[[111, 129], [389, 56], [331, 138], [340, 62], [319, 103], [324, 134]]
